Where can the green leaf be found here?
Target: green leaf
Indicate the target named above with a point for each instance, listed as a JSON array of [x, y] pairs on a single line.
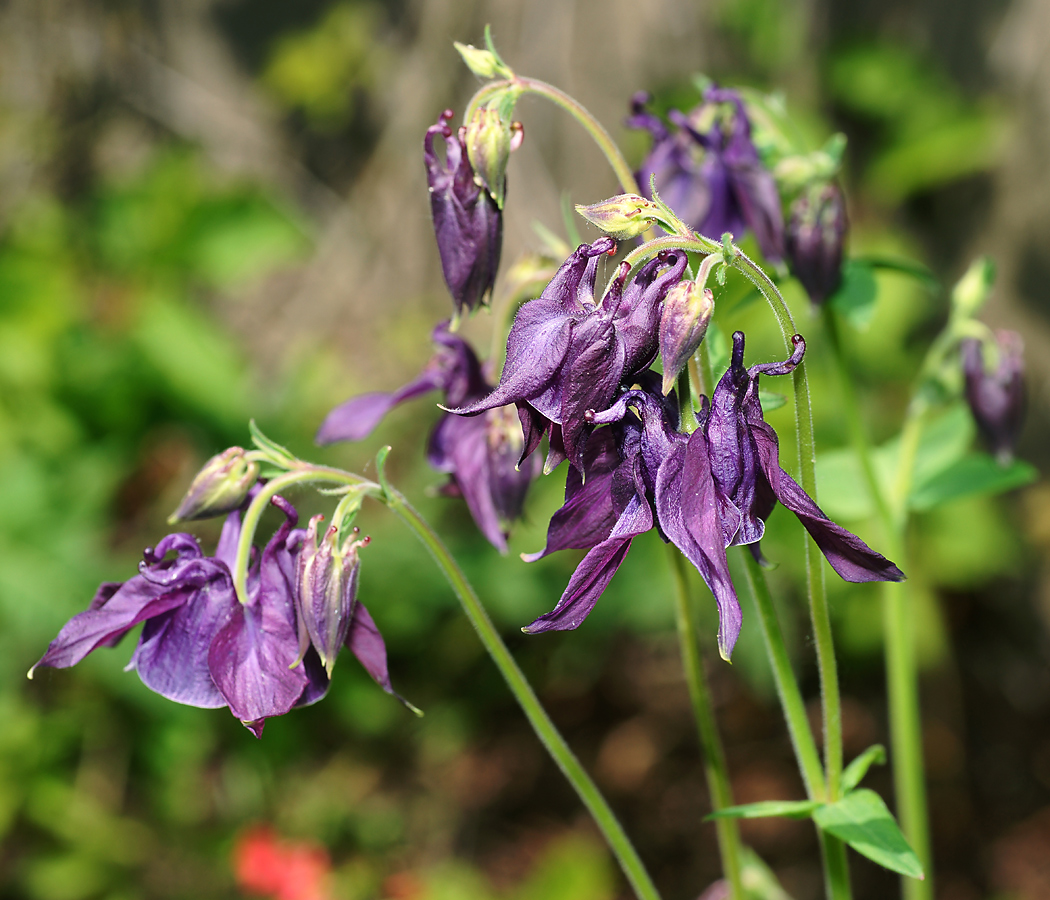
[[856, 770], [855, 298], [973, 475], [788, 809], [862, 820]]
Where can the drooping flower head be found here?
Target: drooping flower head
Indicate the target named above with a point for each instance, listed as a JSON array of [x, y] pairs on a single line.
[[468, 223], [709, 172], [568, 352], [200, 645], [745, 463], [814, 239], [996, 397], [479, 455]]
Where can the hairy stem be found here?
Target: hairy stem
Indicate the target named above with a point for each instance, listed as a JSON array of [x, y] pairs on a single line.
[[545, 729], [715, 768]]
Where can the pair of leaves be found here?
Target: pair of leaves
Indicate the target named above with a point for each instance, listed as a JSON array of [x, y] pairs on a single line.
[[860, 818]]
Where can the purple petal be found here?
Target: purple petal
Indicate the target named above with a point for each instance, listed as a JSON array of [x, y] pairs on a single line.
[[317, 682], [366, 643], [687, 507], [595, 571], [357, 417], [172, 654], [108, 619], [848, 554]]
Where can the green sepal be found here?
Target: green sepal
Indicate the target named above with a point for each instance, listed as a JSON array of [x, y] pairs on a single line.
[[381, 456], [787, 809], [862, 820], [856, 770], [279, 456]]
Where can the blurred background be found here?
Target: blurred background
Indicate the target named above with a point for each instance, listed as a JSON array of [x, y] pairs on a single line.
[[216, 209]]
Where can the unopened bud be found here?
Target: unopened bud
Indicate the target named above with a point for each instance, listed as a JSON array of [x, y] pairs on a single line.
[[624, 216], [814, 239], [328, 576], [683, 323], [489, 141], [220, 487], [996, 393]]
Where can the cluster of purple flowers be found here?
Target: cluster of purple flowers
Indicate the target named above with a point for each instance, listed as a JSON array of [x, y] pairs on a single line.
[[203, 647]]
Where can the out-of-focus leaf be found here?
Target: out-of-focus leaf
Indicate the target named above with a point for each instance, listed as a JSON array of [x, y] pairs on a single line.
[[905, 267], [973, 475], [770, 400], [574, 868], [862, 820], [760, 882], [856, 770], [855, 297], [788, 809]]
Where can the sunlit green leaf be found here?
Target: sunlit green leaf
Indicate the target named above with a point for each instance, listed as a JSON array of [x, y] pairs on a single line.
[[862, 820], [973, 475]]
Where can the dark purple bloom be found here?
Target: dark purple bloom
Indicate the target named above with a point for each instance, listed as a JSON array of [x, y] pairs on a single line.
[[480, 455], [745, 463], [567, 353], [468, 223], [639, 466], [997, 398], [713, 179], [815, 234], [199, 645]]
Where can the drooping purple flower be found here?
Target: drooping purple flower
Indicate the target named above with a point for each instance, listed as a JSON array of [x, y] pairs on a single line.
[[567, 353], [712, 177], [744, 453], [640, 471], [996, 398], [480, 455], [815, 234], [468, 223], [199, 645]]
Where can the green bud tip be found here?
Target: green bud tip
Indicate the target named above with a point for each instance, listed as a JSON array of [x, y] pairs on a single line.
[[623, 217]]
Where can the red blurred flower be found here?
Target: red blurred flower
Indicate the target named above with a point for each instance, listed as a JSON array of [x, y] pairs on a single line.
[[265, 864]]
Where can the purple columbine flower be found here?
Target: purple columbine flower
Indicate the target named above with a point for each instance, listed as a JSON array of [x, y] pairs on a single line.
[[480, 455], [713, 179], [199, 645], [815, 234], [996, 398], [567, 353], [468, 223], [641, 471], [744, 454]]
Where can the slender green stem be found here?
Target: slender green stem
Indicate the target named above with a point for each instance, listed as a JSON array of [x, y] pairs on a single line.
[[715, 767], [901, 669], [559, 750], [784, 678], [576, 109], [261, 501]]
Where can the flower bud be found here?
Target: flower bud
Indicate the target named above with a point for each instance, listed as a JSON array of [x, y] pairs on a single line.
[[489, 141], [468, 224], [814, 239], [683, 323], [624, 216], [997, 397], [220, 487], [328, 575]]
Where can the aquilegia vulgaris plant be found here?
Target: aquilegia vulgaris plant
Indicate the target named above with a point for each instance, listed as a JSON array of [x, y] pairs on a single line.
[[655, 428]]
